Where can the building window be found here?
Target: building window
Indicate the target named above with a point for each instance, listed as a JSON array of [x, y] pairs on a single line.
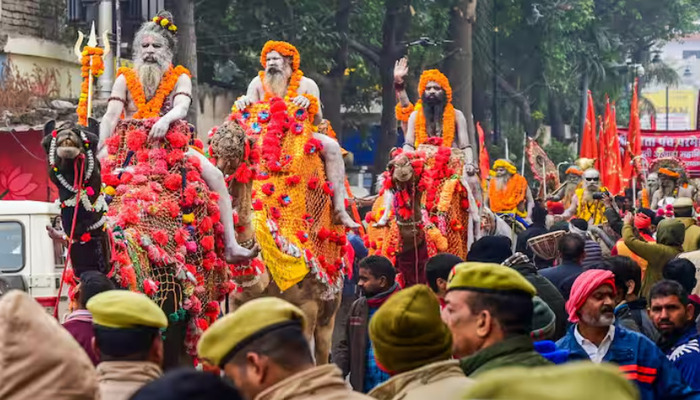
[[12, 246]]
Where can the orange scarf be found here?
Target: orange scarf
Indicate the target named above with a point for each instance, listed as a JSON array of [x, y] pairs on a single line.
[[508, 198]]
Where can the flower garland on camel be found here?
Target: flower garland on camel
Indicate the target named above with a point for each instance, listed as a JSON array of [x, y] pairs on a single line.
[[448, 116], [152, 107], [91, 65]]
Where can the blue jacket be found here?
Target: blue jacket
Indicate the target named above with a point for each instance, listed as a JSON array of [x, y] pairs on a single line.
[[641, 362], [685, 355]]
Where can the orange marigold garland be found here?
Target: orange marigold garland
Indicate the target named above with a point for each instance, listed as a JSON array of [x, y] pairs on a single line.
[[508, 198], [152, 108], [404, 113], [91, 65], [448, 116]]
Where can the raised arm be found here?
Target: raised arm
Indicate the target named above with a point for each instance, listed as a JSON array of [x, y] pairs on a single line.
[[115, 107], [404, 103]]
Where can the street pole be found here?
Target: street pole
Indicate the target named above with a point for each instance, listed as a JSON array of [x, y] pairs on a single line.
[[667, 127], [118, 38], [104, 24]]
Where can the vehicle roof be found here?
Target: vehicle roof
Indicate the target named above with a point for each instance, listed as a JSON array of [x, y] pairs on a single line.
[[27, 207]]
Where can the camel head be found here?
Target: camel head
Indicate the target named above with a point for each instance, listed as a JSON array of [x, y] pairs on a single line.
[[405, 167], [230, 146], [69, 140]]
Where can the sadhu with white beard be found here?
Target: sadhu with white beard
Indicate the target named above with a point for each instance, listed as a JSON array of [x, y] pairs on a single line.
[[508, 191], [283, 78], [588, 202], [154, 90]]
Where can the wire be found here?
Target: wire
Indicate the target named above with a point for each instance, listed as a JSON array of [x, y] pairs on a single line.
[[12, 133]]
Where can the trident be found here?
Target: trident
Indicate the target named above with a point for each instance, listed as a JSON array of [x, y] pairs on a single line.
[[92, 42]]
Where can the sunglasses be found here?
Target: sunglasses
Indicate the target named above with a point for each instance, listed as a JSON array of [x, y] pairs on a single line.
[[592, 179]]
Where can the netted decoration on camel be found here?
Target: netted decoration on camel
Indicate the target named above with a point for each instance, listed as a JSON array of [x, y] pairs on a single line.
[[166, 223], [444, 204], [291, 198]]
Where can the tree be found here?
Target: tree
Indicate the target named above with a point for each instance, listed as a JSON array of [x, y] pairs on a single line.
[[458, 65], [396, 22], [186, 55]]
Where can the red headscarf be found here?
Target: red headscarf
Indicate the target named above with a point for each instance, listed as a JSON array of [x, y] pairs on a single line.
[[642, 221], [585, 284]]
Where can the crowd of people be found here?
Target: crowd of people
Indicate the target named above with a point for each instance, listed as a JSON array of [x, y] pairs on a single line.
[[493, 326]]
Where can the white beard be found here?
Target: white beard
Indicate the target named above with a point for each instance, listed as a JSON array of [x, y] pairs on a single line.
[[276, 83], [600, 322], [502, 181], [150, 76]]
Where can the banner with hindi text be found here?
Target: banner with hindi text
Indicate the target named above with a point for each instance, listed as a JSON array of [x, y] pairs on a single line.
[[681, 144]]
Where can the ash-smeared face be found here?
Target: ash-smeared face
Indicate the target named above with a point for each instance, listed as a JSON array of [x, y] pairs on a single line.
[[68, 144]]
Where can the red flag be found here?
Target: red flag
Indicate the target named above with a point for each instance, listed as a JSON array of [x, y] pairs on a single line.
[[589, 146], [484, 161], [610, 151], [634, 137]]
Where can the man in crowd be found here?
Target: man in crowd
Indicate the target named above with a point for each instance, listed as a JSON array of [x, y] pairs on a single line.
[[489, 312], [38, 358], [593, 253], [262, 348], [537, 228], [576, 381], [188, 384], [437, 270], [496, 249], [683, 271], [595, 337], [355, 355], [571, 253], [672, 314], [630, 309], [127, 341], [683, 211], [413, 344], [79, 322], [642, 230], [669, 241]]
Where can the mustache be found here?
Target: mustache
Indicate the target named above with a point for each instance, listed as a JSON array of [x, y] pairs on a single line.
[[607, 309]]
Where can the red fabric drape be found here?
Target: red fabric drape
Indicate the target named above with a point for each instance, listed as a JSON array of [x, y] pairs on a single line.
[[484, 161]]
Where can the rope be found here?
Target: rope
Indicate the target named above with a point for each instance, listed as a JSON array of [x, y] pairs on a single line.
[[77, 183]]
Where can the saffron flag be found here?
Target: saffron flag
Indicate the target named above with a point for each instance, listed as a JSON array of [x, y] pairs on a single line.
[[484, 161], [589, 146], [609, 151], [634, 138]]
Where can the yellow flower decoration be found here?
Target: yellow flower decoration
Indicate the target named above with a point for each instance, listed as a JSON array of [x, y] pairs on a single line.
[[164, 22]]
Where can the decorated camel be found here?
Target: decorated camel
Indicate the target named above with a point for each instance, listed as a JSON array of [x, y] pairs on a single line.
[[432, 209], [284, 203]]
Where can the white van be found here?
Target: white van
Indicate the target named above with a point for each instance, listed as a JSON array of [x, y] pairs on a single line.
[[29, 259]]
